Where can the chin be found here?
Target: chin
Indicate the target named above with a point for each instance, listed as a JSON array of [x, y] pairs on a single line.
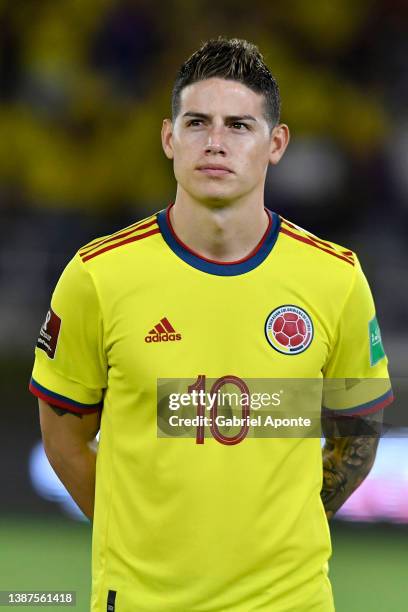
[[212, 195], [216, 197]]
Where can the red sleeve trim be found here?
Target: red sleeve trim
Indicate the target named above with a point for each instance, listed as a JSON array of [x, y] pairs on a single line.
[[55, 399]]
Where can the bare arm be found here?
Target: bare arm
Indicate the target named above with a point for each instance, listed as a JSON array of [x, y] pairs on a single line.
[[70, 445], [348, 456]]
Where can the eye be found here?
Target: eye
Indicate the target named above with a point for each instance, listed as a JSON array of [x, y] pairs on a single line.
[[194, 122], [238, 125]]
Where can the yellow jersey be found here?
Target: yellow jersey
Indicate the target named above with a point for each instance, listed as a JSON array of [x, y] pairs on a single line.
[[209, 521]]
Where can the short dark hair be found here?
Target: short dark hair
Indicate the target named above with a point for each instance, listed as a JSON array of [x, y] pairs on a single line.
[[232, 59]]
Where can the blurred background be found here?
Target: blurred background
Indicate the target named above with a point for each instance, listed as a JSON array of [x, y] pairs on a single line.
[[83, 90]]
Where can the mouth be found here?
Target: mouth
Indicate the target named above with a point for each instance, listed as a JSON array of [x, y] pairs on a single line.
[[214, 170]]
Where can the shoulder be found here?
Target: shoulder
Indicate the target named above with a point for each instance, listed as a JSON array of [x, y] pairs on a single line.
[[306, 243], [135, 233]]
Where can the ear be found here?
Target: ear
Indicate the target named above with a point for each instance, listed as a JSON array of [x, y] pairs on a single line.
[[167, 138], [279, 141]]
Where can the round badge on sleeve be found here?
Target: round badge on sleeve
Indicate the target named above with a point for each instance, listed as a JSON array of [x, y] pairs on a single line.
[[289, 329]]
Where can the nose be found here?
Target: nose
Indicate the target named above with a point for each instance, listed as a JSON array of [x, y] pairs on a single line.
[[215, 144]]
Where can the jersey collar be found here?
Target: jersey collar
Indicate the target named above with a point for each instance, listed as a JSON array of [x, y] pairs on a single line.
[[220, 268]]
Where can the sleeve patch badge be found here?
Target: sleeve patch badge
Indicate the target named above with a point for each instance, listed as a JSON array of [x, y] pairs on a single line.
[[49, 332], [376, 347]]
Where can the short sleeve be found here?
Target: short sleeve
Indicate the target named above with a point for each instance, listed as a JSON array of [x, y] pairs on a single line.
[[70, 367], [356, 379]]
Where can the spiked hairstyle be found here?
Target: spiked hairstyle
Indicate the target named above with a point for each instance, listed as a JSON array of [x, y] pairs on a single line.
[[235, 60]]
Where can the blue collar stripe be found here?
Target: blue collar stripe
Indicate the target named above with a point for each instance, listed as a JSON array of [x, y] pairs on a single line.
[[220, 269]]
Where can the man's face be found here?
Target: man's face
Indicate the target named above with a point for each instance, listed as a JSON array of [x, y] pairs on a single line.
[[220, 142]]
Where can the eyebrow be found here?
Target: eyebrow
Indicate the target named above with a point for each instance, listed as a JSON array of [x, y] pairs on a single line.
[[228, 118]]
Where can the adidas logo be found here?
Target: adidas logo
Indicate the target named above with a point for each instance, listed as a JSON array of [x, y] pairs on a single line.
[[163, 332]]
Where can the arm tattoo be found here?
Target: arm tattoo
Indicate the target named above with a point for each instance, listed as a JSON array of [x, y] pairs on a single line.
[[348, 456], [61, 412]]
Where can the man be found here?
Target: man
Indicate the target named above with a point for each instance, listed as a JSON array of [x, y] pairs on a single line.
[[215, 287]]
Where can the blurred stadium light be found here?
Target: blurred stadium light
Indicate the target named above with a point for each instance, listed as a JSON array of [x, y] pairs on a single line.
[[47, 484], [382, 497]]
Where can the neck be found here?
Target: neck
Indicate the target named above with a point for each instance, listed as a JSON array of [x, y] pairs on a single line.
[[223, 233]]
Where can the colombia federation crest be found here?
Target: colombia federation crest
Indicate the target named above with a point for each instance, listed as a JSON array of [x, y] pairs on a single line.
[[289, 329]]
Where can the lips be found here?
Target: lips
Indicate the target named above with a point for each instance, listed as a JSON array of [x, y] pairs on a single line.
[[214, 170]]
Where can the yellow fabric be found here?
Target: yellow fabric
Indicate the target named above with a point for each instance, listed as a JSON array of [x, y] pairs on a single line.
[[205, 527]]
